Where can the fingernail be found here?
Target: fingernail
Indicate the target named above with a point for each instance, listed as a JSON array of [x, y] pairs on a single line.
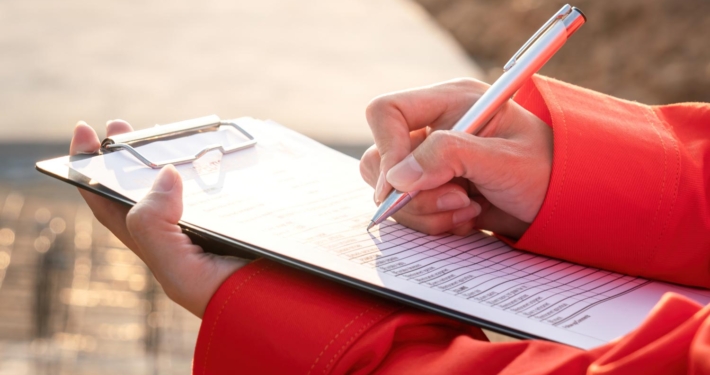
[[465, 214], [407, 172], [452, 200], [165, 180], [379, 187]]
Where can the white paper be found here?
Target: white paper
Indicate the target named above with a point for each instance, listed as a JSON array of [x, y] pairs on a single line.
[[298, 198]]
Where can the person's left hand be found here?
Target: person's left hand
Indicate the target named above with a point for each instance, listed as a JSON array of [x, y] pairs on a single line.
[[188, 274]]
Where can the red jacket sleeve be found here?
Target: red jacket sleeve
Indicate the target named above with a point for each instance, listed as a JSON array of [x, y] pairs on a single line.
[[628, 192], [270, 319], [630, 184]]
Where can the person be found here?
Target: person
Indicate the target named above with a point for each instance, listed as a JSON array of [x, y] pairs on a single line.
[[560, 171]]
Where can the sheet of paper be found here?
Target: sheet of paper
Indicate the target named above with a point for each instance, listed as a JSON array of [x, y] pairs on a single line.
[[301, 199]]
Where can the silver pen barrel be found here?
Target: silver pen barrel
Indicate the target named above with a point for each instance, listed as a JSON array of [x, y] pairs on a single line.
[[512, 80], [394, 201]]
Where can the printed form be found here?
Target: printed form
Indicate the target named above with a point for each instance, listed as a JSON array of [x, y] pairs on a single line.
[[296, 197]]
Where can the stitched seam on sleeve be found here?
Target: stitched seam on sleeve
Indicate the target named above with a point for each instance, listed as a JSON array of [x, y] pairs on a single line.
[[214, 326], [677, 173], [338, 334], [654, 246], [564, 159], [355, 336], [664, 224]]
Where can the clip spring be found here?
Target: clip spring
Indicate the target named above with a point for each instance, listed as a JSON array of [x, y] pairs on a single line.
[[179, 129]]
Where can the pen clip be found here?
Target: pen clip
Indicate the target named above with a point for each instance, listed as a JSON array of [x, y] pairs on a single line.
[[562, 13]]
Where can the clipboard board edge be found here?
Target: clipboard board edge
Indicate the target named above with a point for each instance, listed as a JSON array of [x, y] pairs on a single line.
[[249, 251]]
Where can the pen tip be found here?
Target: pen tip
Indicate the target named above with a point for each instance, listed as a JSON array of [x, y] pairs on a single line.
[[372, 224]]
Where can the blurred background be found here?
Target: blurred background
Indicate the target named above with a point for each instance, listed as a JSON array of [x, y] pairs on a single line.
[[73, 300]]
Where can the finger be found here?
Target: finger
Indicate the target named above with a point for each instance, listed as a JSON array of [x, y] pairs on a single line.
[[439, 222], [110, 214], [450, 196], [84, 140], [152, 222], [115, 127], [370, 160], [391, 117], [445, 155], [370, 166], [447, 197]]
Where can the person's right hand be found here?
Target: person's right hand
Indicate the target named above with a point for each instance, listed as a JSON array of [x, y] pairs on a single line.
[[496, 180]]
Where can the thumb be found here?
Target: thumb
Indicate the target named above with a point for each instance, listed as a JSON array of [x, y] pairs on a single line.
[[445, 155], [156, 215]]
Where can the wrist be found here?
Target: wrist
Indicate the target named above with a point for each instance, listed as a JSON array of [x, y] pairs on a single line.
[[192, 281]]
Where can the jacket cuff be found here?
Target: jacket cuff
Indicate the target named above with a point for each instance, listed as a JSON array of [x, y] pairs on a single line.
[[614, 178], [271, 319]]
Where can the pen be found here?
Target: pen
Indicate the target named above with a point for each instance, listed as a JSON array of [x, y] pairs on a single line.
[[526, 62]]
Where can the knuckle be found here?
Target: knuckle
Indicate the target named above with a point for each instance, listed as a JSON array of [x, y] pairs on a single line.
[[370, 158], [442, 140], [438, 138], [465, 83], [446, 154], [377, 106], [364, 170], [370, 164], [467, 90]]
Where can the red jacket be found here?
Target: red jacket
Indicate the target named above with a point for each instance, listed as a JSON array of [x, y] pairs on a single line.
[[629, 192]]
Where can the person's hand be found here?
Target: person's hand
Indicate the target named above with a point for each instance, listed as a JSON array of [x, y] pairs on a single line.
[[495, 181], [188, 275]]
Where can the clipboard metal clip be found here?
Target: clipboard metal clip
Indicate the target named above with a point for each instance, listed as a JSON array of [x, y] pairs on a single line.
[[128, 141]]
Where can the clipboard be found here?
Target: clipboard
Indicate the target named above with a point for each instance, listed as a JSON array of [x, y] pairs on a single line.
[[219, 244], [58, 168], [343, 199]]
